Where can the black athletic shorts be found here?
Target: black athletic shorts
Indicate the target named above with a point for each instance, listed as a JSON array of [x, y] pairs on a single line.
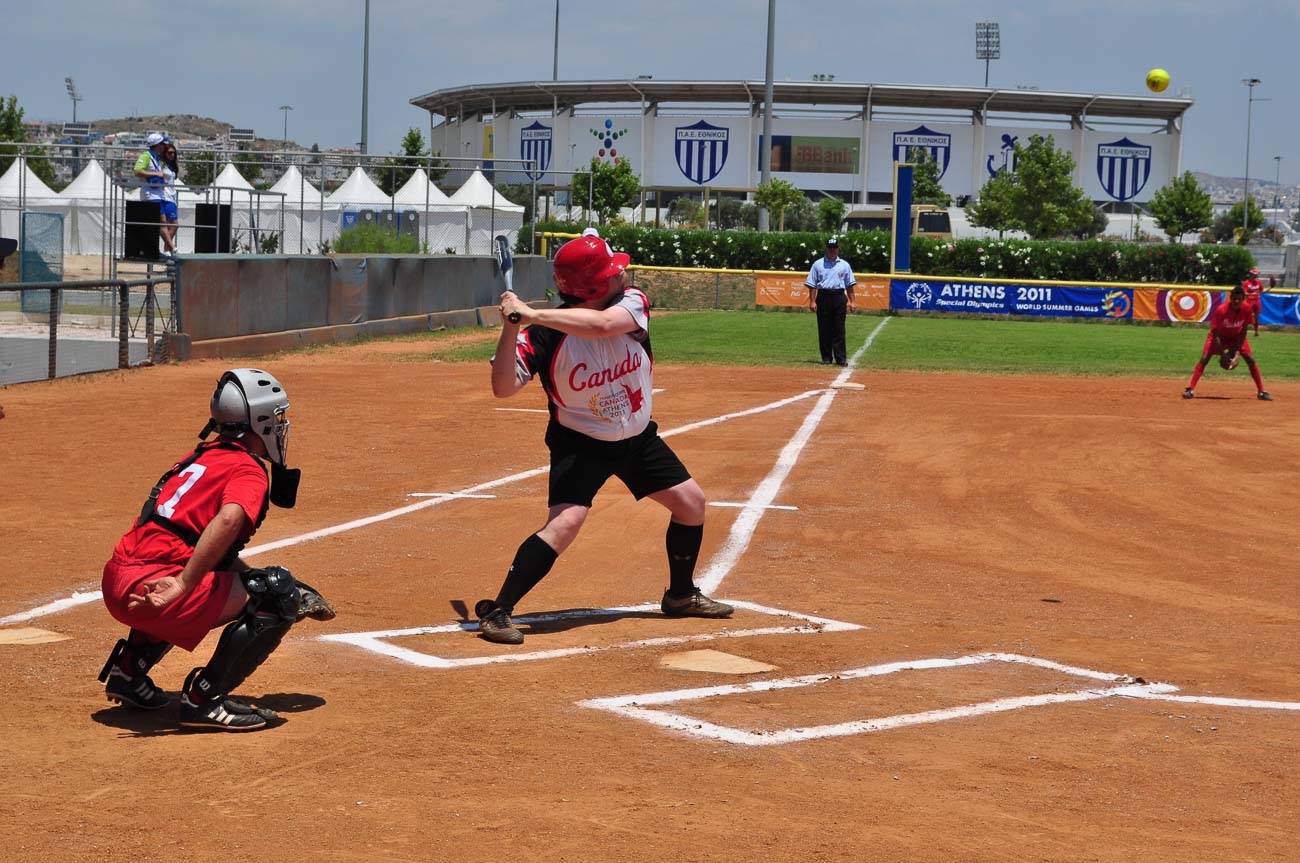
[[580, 465]]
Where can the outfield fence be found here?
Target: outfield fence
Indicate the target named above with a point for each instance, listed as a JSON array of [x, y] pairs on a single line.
[[57, 329]]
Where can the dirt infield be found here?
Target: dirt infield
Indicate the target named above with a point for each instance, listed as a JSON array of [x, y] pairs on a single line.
[[1104, 525]]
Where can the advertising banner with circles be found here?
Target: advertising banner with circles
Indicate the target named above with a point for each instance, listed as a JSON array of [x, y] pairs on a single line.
[[1053, 301]]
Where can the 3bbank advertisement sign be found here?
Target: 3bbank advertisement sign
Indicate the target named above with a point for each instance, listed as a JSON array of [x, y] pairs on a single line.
[[1124, 166], [950, 147], [935, 295], [703, 151], [815, 154]]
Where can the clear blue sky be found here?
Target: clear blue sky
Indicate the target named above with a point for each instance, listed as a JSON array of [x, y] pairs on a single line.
[[238, 60]]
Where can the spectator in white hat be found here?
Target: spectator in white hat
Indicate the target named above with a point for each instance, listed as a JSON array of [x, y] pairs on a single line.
[[152, 169]]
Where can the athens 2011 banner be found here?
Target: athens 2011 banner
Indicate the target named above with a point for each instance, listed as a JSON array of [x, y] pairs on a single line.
[[937, 295]]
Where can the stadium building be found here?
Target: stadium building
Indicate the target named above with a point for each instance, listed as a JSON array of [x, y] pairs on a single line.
[[827, 137]]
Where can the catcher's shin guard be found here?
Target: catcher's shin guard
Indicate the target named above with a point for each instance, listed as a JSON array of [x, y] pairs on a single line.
[[246, 642]]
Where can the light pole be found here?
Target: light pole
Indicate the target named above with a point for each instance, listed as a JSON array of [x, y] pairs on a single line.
[[988, 44], [765, 160], [1277, 181], [365, 82], [286, 109], [555, 61], [1251, 84], [73, 95]]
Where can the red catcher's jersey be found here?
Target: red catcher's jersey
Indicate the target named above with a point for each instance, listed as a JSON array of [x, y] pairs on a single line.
[[1229, 325], [1252, 287], [192, 499]]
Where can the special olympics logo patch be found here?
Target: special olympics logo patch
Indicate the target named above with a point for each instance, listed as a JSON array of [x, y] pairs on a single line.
[[918, 294]]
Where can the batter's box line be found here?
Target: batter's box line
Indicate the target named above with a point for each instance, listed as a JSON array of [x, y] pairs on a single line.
[[641, 707], [377, 641]]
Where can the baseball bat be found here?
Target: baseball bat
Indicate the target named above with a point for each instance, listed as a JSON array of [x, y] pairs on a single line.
[[506, 264]]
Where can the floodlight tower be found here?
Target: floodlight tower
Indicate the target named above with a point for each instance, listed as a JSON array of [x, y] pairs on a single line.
[[73, 95], [988, 44]]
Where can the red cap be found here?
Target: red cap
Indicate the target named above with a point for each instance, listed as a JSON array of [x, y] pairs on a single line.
[[1254, 272], [583, 265]]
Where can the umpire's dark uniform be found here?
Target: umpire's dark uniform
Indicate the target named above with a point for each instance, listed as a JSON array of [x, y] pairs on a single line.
[[830, 291]]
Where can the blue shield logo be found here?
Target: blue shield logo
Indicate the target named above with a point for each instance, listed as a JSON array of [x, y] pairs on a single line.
[[535, 144], [1123, 168], [701, 151], [937, 144]]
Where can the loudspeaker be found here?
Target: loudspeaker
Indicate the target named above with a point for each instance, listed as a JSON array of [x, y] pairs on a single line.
[[366, 216], [140, 239], [388, 219], [410, 224], [212, 229]]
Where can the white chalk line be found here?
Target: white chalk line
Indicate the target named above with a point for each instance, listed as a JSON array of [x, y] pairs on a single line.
[[79, 598], [451, 494], [377, 641], [640, 707], [737, 505], [742, 529], [524, 410]]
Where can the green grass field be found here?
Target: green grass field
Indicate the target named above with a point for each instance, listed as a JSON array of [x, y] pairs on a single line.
[[929, 344]]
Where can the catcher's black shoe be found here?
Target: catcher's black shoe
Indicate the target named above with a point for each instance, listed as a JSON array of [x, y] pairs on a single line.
[[221, 714], [138, 692], [494, 623], [1264, 396], [693, 604], [1189, 393]]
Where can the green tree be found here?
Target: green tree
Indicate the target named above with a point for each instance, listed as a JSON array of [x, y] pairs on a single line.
[[830, 215], [249, 166], [199, 169], [1095, 227], [612, 186], [396, 170], [1256, 221], [11, 133], [802, 215], [1045, 202], [729, 213], [778, 196], [1182, 207], [993, 208], [686, 211], [926, 188]]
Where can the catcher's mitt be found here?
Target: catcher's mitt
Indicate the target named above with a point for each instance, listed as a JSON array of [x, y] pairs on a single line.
[[1228, 359], [312, 604]]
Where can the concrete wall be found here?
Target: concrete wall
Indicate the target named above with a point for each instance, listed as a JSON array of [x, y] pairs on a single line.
[[236, 298]]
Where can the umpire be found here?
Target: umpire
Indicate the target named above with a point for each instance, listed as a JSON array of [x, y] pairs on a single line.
[[830, 292]]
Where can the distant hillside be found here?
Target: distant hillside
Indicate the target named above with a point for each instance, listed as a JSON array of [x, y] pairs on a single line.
[[189, 126]]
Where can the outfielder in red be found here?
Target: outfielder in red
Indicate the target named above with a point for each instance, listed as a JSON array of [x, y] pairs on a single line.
[[176, 574], [1254, 289], [594, 359], [1227, 339]]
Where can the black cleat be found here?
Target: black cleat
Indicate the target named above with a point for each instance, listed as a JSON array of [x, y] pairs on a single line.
[[1264, 396], [1189, 393], [494, 623], [693, 604], [222, 714], [138, 692]]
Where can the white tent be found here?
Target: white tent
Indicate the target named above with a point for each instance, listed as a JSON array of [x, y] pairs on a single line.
[[359, 191], [230, 178], [21, 189], [443, 225], [308, 220], [87, 198], [489, 214], [295, 188]]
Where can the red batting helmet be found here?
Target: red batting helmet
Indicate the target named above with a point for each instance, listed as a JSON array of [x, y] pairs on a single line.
[[582, 267]]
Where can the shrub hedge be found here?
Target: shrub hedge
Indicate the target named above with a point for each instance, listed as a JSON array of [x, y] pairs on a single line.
[[868, 252]]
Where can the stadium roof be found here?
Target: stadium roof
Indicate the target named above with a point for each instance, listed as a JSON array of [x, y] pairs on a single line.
[[544, 95]]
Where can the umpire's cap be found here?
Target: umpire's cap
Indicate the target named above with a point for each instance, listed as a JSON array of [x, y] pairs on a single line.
[[583, 265]]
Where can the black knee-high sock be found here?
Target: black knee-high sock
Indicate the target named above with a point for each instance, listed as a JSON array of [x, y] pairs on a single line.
[[532, 561], [683, 544]]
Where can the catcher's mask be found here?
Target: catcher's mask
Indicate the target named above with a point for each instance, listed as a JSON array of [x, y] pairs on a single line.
[[253, 401]]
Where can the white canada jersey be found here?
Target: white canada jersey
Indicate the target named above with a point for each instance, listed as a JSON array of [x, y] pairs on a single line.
[[600, 387]]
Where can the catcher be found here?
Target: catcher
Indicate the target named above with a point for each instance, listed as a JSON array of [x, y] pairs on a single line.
[[1227, 339], [176, 574]]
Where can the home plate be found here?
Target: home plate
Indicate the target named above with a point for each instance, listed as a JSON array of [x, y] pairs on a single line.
[[846, 385], [713, 660], [30, 635]]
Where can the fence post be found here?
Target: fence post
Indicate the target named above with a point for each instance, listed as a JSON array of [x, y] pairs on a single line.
[[54, 332], [717, 290], [123, 325], [149, 302]]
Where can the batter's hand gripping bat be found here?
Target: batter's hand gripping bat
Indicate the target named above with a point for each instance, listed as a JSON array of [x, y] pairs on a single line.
[[502, 249]]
